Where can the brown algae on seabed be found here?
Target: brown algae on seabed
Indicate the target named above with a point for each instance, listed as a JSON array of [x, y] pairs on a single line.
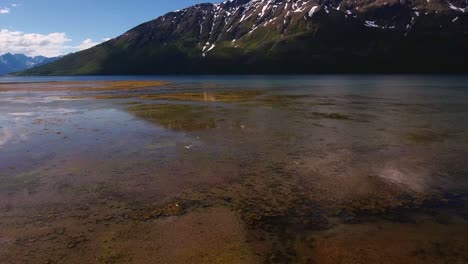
[[24, 181], [228, 96], [178, 117], [172, 209], [336, 116], [79, 86], [211, 235], [279, 190], [225, 96], [428, 137], [284, 218], [295, 100], [420, 243]]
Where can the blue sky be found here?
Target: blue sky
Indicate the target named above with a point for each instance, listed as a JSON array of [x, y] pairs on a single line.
[[53, 27]]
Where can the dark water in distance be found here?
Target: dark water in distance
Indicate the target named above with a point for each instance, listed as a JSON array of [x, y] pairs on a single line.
[[236, 169]]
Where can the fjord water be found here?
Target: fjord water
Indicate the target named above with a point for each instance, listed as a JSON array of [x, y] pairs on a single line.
[[235, 169]]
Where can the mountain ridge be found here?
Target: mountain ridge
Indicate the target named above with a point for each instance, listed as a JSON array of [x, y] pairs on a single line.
[[10, 63], [286, 36]]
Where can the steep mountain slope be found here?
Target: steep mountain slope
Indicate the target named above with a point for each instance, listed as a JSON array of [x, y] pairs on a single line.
[[17, 62], [286, 36]]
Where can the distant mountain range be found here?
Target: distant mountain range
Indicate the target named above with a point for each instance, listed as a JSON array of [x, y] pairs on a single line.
[[10, 63], [286, 36]]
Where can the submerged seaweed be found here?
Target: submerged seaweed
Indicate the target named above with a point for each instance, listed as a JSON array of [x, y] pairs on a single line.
[[176, 117]]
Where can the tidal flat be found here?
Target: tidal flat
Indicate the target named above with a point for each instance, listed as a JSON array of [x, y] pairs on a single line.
[[298, 169]]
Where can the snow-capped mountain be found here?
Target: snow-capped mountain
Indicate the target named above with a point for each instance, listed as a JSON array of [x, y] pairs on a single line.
[[18, 62], [234, 20], [287, 36]]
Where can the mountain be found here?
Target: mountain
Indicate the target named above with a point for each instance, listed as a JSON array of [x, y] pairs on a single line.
[[18, 62], [286, 36]]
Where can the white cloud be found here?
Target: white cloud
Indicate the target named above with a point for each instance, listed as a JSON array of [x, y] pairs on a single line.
[[52, 44], [86, 44], [7, 10], [4, 10], [49, 45]]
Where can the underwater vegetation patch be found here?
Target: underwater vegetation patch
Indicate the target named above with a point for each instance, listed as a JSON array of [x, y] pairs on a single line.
[[171, 209], [335, 116], [80, 86], [176, 117], [427, 137], [13, 183], [227, 96]]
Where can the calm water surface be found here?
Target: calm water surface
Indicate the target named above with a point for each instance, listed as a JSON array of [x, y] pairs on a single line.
[[289, 169]]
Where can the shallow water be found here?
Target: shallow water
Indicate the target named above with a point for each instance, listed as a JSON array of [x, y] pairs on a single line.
[[213, 169]]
